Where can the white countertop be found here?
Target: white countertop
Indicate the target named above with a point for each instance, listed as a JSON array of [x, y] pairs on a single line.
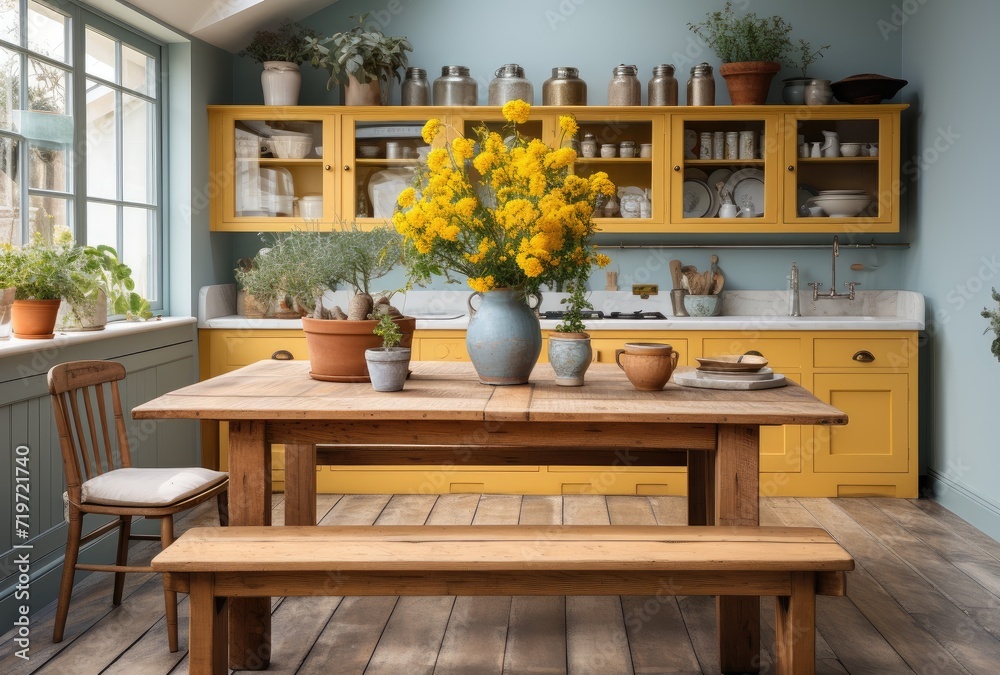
[[742, 310]]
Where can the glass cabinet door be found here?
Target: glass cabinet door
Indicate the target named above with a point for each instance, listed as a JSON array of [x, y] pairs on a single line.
[[632, 151], [722, 174], [380, 157], [838, 171], [281, 170]]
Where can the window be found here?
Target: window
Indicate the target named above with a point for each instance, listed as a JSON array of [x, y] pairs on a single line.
[[80, 133]]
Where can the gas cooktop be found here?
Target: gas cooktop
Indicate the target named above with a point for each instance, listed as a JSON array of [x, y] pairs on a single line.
[[592, 315]]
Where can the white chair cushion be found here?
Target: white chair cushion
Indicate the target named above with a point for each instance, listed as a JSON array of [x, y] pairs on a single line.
[[148, 487]]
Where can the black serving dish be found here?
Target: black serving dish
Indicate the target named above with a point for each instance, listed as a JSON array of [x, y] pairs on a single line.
[[866, 88]]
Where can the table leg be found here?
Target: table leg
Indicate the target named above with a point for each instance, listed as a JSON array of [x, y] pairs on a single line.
[[300, 484], [737, 481], [701, 487], [249, 504]]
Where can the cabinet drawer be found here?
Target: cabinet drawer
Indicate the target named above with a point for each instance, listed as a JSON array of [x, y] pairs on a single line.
[[242, 351], [858, 353], [779, 352], [443, 349]]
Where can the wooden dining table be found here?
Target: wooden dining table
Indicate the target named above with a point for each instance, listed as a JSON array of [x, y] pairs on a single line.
[[444, 416]]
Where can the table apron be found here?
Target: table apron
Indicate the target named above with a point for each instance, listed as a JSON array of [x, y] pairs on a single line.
[[477, 440]]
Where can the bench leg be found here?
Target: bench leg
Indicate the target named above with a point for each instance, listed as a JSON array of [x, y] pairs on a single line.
[[795, 624], [208, 631]]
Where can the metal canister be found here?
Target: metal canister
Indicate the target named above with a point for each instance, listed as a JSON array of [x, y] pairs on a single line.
[[701, 86], [564, 88], [456, 87], [663, 87], [416, 90], [509, 84], [624, 87]]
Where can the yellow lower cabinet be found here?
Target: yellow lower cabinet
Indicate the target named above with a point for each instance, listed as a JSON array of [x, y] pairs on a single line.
[[871, 453], [867, 375]]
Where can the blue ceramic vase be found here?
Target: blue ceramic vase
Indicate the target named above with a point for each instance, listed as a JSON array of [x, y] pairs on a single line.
[[504, 338]]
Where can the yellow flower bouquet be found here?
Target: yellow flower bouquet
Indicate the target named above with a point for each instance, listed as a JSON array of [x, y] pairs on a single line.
[[504, 213]]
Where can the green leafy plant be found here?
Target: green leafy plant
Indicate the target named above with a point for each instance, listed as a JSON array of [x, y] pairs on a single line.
[[363, 53], [994, 316], [807, 57], [42, 270], [387, 329], [304, 263], [737, 39], [100, 269], [291, 42], [575, 303]]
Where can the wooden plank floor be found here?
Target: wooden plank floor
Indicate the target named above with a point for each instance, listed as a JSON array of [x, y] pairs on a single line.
[[925, 598]]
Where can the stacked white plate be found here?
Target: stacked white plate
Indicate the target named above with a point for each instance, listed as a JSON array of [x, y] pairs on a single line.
[[731, 372], [842, 203]]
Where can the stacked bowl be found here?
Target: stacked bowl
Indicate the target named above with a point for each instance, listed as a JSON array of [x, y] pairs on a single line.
[[841, 203]]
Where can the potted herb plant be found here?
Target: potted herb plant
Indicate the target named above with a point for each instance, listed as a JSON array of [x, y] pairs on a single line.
[[570, 352], [281, 52], [364, 59], [750, 49], [307, 263], [103, 285], [794, 87], [388, 365], [994, 316], [41, 273]]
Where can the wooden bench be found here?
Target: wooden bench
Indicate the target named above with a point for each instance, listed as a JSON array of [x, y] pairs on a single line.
[[792, 564]]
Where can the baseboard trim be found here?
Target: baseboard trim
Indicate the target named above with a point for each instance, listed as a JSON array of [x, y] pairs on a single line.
[[979, 511]]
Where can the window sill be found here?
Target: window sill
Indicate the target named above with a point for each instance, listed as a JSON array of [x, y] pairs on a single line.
[[63, 340]]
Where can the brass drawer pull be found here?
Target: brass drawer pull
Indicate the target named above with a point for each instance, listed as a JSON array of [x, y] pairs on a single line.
[[282, 355], [863, 356]]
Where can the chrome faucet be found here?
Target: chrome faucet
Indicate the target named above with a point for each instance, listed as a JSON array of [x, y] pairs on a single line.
[[833, 294], [793, 291]]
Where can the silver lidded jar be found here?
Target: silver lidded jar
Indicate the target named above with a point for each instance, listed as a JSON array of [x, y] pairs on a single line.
[[663, 87], [701, 86], [456, 87], [624, 87], [416, 90], [564, 88], [509, 84]]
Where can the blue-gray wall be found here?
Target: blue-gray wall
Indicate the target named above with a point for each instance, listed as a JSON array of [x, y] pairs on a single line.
[[955, 259]]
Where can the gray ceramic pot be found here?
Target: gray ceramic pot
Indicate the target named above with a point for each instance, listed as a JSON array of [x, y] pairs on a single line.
[[388, 368]]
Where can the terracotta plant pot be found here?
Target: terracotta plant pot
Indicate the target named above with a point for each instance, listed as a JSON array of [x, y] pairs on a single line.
[[337, 348], [356, 93], [35, 319], [749, 81]]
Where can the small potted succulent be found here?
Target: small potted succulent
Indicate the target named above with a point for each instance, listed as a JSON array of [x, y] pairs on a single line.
[[570, 352], [994, 316], [750, 48], [364, 59], [389, 364], [281, 52]]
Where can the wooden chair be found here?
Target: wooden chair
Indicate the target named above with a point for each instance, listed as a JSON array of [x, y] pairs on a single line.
[[100, 479]]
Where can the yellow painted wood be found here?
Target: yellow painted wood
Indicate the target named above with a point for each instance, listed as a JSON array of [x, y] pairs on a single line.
[[794, 461], [876, 438], [339, 175]]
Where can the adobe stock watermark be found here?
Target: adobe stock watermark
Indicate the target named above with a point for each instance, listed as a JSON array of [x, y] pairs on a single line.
[[899, 15], [22, 529]]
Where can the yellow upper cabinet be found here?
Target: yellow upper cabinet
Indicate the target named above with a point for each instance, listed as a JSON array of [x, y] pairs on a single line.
[[668, 163], [264, 159]]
